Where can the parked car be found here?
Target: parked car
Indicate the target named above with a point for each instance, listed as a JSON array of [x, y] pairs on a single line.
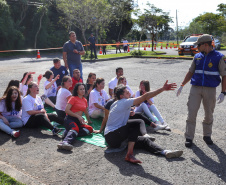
[[187, 47], [217, 44]]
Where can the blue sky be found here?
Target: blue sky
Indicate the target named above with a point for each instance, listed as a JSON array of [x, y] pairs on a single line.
[[186, 10]]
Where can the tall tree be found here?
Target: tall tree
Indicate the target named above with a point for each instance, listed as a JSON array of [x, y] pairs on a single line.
[[155, 21], [85, 14]]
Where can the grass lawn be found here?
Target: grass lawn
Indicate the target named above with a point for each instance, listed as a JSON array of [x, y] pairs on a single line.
[[7, 180]]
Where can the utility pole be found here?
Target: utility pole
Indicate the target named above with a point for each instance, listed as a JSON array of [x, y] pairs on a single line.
[[177, 27]]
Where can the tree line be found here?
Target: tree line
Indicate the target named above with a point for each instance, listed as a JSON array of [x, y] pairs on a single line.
[[46, 23]]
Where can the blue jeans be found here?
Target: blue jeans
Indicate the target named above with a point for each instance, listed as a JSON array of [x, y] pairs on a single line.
[[14, 122], [75, 66]]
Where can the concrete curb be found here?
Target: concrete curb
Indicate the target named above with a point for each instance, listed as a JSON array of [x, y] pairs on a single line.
[[22, 177], [155, 57]]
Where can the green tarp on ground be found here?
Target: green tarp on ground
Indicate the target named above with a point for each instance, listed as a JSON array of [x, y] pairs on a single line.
[[95, 139]]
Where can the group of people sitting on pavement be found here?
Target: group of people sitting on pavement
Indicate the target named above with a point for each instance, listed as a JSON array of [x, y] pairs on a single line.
[[124, 113]]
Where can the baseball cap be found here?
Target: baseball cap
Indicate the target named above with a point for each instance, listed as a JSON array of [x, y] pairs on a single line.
[[203, 39]]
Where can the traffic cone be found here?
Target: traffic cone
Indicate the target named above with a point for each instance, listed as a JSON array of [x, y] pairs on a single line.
[[166, 46], [170, 46], [100, 51], [144, 48], [149, 45], [38, 54], [128, 49], [161, 46], [155, 47]]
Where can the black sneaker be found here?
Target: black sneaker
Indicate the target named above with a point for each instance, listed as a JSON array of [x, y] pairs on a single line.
[[56, 131], [188, 143], [208, 140]]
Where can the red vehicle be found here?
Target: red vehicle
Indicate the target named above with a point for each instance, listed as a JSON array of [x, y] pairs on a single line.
[[187, 47]]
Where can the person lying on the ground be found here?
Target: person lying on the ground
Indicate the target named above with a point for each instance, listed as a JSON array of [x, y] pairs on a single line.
[[97, 99], [119, 129], [33, 112], [148, 106], [74, 123]]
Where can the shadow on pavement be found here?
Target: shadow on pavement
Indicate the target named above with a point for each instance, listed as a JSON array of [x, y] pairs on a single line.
[[129, 169], [218, 168]]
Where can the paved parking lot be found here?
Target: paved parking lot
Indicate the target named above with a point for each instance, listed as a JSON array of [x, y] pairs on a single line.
[[33, 158]]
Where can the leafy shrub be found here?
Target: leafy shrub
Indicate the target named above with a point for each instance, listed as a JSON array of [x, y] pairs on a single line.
[[136, 53]]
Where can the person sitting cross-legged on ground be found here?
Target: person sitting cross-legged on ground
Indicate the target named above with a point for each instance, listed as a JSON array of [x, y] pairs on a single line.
[[118, 129], [74, 123], [10, 112], [50, 86], [139, 115], [90, 84], [133, 115], [97, 98], [33, 112], [63, 96], [148, 106], [76, 78]]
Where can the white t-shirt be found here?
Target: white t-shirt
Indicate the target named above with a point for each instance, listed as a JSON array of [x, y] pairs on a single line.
[[97, 97], [29, 103], [52, 90], [23, 89], [113, 83], [130, 90], [138, 94], [61, 100], [14, 112], [119, 114]]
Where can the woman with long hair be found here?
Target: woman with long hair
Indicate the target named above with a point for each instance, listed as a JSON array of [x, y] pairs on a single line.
[[148, 106], [90, 84], [33, 112], [63, 96], [10, 112], [74, 123], [97, 98]]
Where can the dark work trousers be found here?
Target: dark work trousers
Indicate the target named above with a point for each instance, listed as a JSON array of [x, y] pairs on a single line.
[[60, 113], [104, 50], [130, 131], [41, 120], [148, 145], [118, 48], [93, 49], [139, 115], [73, 129]]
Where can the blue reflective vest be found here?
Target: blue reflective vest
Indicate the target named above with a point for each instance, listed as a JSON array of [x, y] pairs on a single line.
[[206, 70]]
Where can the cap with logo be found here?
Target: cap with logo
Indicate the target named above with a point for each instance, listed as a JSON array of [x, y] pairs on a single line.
[[203, 39]]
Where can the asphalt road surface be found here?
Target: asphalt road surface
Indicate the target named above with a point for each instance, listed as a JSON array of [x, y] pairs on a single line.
[[33, 158]]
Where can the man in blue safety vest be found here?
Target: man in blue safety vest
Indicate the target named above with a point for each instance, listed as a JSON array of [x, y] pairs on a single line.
[[204, 73]]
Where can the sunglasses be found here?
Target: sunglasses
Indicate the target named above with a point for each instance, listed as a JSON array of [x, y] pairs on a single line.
[[200, 44]]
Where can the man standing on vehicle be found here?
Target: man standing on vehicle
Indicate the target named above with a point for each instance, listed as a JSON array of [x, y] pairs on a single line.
[[204, 73], [72, 51]]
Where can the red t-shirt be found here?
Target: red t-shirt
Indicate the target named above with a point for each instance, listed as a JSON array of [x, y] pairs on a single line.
[[78, 104], [74, 82]]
